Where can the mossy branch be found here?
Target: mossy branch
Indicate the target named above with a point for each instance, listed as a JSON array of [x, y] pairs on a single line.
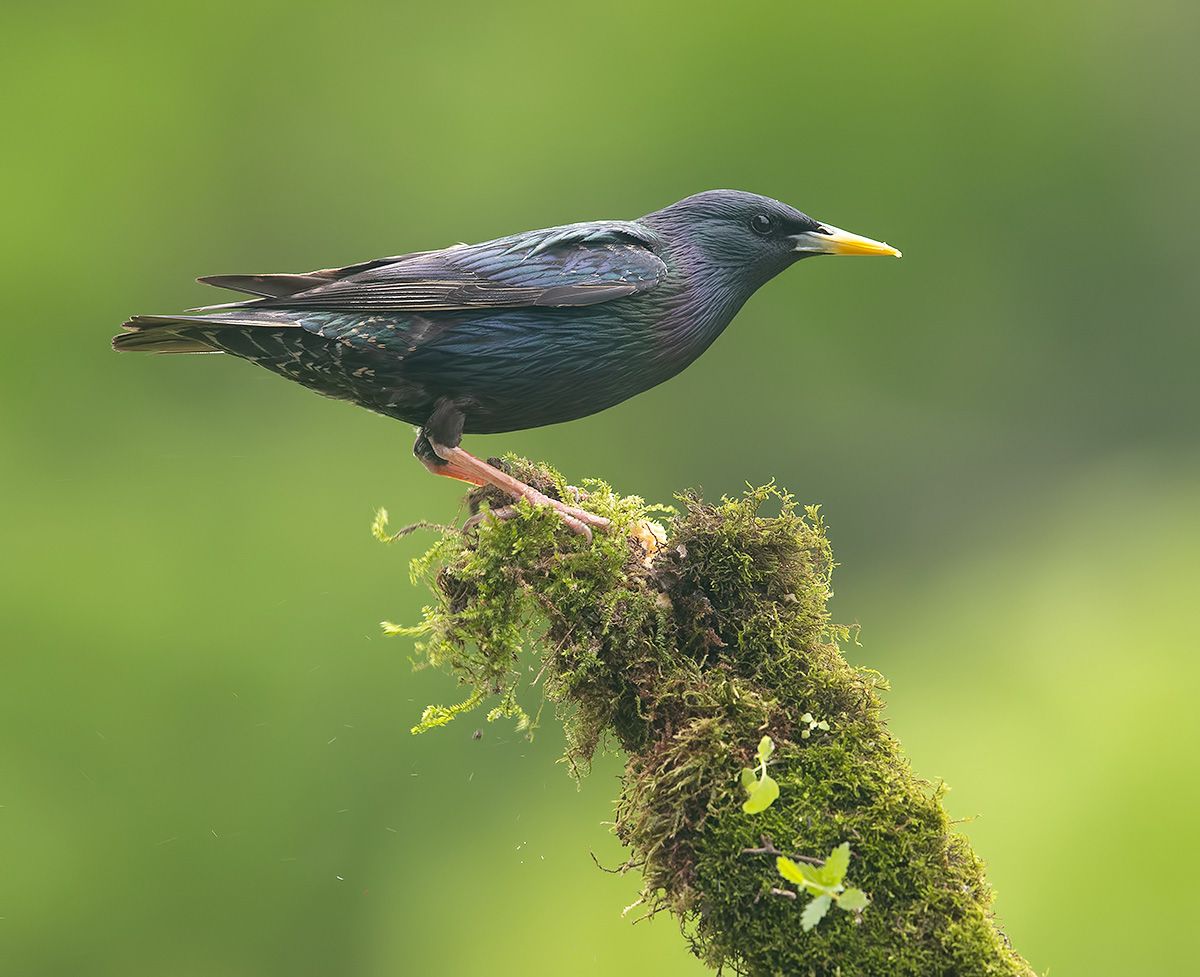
[[686, 647]]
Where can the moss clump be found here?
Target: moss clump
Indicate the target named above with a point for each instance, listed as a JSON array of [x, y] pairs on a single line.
[[686, 656]]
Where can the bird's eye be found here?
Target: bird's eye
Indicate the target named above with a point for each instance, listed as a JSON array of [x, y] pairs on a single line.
[[762, 224]]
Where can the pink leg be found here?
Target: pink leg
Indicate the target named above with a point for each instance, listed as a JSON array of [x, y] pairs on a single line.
[[462, 465]]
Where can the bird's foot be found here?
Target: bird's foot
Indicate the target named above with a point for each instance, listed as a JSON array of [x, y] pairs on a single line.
[[457, 463], [577, 520], [499, 515]]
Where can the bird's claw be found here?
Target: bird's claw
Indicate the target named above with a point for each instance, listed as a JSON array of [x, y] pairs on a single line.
[[577, 527], [579, 521], [504, 512], [581, 515]]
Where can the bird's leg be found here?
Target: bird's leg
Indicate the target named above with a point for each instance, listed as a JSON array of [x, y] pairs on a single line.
[[450, 470], [438, 448], [424, 451], [461, 464]]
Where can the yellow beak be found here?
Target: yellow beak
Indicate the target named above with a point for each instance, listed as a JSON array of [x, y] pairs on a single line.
[[836, 241]]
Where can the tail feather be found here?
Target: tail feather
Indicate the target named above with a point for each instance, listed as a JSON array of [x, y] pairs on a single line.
[[161, 334], [276, 340], [189, 334], [160, 342]]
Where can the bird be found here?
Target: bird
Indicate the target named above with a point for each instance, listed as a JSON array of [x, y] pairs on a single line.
[[531, 329]]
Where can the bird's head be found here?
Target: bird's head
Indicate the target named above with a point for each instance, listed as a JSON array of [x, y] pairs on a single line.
[[734, 230]]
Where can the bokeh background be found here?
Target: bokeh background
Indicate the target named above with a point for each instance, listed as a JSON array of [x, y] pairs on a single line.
[[205, 763]]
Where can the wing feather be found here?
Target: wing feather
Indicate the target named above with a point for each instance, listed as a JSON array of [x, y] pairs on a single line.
[[573, 265]]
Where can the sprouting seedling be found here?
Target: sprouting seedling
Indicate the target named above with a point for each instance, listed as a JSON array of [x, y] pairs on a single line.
[[820, 724], [825, 883], [760, 787]]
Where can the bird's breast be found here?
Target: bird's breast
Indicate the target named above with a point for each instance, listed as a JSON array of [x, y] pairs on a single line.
[[568, 365]]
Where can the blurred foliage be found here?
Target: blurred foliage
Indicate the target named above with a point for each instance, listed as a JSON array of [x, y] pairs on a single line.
[[205, 763]]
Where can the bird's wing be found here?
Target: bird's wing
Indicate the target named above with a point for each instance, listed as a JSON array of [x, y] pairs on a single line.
[[572, 265]]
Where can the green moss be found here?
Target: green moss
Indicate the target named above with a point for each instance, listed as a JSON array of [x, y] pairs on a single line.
[[686, 656]]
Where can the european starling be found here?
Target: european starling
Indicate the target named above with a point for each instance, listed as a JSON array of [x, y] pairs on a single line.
[[531, 329]]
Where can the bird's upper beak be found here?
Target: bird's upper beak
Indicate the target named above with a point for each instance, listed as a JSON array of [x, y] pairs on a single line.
[[833, 240]]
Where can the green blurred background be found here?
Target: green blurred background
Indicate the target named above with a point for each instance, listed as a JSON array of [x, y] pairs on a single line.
[[205, 764]]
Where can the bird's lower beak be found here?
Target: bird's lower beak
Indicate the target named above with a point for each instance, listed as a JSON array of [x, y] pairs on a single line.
[[833, 240]]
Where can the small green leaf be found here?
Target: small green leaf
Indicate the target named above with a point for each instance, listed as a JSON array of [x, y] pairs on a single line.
[[790, 870], [807, 718], [766, 747], [749, 780], [761, 796], [834, 869], [853, 900], [824, 725], [796, 872], [814, 912]]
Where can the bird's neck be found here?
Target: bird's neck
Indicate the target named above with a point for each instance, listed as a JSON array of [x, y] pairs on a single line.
[[702, 301]]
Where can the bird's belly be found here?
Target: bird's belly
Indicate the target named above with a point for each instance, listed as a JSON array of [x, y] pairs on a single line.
[[551, 386], [540, 366], [522, 405]]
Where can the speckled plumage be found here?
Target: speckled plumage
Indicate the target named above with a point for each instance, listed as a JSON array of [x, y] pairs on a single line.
[[531, 329]]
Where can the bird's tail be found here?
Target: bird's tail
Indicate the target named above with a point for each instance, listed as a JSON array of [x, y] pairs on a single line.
[[208, 333], [162, 334]]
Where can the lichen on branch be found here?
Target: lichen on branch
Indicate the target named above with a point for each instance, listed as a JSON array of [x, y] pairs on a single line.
[[685, 653]]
